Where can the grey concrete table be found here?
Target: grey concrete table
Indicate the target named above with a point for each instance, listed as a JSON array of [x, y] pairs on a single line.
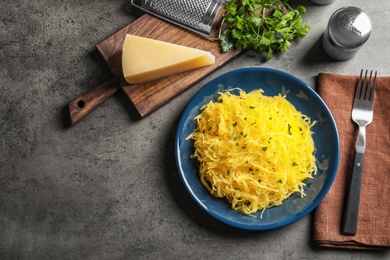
[[108, 188]]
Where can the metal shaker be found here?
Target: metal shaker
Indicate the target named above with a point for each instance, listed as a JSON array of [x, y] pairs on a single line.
[[322, 2], [348, 29]]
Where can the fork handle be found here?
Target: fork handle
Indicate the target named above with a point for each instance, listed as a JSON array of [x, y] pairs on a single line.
[[351, 210]]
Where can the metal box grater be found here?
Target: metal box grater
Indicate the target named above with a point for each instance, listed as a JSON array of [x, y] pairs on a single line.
[[195, 15]]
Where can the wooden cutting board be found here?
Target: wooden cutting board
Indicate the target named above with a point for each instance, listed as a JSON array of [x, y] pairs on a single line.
[[147, 97]]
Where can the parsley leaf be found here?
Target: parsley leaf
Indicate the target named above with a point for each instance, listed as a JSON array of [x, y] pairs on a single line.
[[265, 26]]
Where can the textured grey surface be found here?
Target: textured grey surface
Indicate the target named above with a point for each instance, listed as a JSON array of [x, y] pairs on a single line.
[[108, 188]]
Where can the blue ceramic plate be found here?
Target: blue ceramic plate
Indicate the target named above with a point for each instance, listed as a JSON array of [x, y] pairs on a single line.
[[326, 140]]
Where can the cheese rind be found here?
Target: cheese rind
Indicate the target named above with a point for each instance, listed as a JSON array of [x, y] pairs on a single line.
[[145, 59]]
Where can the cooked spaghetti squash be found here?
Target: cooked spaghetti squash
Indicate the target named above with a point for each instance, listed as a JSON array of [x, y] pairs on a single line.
[[254, 150]]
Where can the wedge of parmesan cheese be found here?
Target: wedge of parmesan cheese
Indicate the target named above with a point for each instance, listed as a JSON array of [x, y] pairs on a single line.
[[145, 59]]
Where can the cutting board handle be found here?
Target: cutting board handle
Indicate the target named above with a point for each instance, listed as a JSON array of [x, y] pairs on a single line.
[[82, 105]]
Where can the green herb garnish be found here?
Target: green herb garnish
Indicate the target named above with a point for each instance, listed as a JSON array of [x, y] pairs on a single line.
[[289, 129], [265, 26]]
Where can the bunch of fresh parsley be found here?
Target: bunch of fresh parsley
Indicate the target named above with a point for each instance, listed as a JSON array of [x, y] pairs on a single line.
[[265, 26]]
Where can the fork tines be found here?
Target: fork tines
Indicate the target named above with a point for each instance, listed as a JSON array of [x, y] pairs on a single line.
[[366, 87]]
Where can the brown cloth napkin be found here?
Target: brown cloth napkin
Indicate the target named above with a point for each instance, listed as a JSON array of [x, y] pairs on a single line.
[[373, 230]]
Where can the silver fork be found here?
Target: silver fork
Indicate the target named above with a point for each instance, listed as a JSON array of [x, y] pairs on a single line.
[[362, 114]]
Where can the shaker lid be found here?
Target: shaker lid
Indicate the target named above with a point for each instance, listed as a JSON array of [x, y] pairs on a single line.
[[349, 28]]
